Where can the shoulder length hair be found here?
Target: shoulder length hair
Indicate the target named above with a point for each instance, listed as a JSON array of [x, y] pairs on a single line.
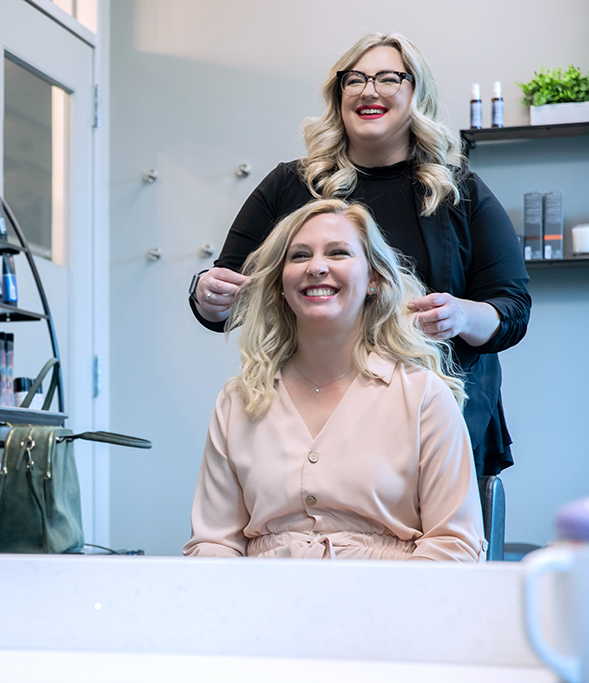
[[269, 330], [329, 172]]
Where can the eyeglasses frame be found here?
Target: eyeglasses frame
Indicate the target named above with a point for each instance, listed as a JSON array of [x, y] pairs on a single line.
[[403, 75]]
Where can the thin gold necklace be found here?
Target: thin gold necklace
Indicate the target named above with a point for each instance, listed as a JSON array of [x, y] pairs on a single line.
[[320, 386]]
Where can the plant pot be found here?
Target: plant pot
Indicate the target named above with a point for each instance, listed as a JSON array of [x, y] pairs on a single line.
[[566, 112]]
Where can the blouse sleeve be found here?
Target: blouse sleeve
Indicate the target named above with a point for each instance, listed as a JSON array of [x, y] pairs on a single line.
[[497, 273], [449, 500], [219, 514]]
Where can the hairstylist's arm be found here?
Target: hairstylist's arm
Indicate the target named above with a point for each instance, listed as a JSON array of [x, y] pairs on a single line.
[[443, 316], [216, 292]]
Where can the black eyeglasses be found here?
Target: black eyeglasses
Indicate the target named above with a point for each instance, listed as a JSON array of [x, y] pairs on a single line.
[[386, 83]]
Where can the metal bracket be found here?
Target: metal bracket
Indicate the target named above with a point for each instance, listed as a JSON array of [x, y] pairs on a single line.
[[206, 251], [243, 170], [150, 176], [154, 254]]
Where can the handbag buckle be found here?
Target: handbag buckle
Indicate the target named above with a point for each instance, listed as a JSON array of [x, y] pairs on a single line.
[[25, 447], [29, 448]]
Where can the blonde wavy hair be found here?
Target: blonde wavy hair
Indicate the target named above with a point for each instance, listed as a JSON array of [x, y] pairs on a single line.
[[269, 330], [329, 172]]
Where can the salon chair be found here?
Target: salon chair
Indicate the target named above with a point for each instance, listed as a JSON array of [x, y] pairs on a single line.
[[493, 502]]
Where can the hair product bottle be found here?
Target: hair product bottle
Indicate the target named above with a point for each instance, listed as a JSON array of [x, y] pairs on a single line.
[[476, 107], [497, 106], [8, 395], [9, 294]]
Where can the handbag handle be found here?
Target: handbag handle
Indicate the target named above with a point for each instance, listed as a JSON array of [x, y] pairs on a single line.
[[109, 437], [51, 363]]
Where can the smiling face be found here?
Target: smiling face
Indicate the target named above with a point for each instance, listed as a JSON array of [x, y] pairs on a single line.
[[326, 276], [378, 127]]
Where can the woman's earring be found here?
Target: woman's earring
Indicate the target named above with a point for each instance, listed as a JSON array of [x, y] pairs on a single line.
[[372, 290], [282, 293]]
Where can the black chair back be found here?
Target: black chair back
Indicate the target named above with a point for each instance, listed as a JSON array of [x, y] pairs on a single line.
[[493, 502]]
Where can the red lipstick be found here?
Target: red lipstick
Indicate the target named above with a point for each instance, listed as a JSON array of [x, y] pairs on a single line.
[[371, 111]]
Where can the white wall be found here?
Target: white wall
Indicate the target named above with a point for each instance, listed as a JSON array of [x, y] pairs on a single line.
[[200, 87]]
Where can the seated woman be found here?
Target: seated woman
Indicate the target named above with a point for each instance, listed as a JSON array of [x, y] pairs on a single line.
[[342, 436]]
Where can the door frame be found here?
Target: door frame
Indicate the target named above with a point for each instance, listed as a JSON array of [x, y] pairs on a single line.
[[52, 10]]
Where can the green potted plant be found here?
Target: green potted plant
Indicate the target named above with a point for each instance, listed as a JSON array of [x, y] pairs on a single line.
[[557, 96]]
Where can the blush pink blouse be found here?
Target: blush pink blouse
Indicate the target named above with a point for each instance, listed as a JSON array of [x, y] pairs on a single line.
[[390, 476]]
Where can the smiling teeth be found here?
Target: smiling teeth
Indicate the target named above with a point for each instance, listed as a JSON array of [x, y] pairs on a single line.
[[368, 112], [323, 291]]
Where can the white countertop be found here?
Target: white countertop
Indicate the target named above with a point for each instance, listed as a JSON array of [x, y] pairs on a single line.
[[93, 667], [249, 619]]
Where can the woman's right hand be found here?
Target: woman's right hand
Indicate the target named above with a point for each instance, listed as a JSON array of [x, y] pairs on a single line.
[[217, 291]]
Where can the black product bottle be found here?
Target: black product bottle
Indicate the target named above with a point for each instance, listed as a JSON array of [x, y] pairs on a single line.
[[476, 107], [497, 106]]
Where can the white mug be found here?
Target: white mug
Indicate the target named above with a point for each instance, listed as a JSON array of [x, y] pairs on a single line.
[[580, 235], [573, 560]]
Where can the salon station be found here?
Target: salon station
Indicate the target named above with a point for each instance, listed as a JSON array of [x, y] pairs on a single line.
[[198, 294]]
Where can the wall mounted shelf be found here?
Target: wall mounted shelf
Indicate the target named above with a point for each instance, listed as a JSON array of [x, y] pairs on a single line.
[[556, 264], [471, 136]]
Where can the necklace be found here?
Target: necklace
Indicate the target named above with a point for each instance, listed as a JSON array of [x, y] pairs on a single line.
[[320, 386]]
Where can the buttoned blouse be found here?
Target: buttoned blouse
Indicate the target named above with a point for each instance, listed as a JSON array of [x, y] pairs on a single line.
[[390, 475]]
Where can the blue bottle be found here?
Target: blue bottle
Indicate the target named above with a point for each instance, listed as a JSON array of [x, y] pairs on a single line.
[[9, 292]]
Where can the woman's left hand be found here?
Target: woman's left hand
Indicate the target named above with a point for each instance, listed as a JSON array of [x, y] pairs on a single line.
[[443, 316]]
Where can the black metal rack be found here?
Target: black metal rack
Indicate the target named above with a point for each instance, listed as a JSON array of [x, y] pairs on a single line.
[[10, 313]]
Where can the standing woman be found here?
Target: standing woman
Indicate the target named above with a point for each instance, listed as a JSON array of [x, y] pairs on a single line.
[[380, 143]]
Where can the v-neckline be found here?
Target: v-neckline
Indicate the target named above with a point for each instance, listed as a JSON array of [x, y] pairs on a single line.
[[329, 419]]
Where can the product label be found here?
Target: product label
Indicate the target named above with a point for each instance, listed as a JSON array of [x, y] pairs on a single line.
[[497, 113], [476, 114], [553, 225], [533, 226], [9, 294]]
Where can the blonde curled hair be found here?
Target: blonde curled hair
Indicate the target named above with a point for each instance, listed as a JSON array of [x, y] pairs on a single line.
[[329, 172], [269, 330]]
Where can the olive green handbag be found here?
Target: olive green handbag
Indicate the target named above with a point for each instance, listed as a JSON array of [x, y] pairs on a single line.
[[40, 510]]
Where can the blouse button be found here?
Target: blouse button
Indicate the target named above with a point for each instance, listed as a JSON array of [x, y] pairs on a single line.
[[313, 457], [310, 501]]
